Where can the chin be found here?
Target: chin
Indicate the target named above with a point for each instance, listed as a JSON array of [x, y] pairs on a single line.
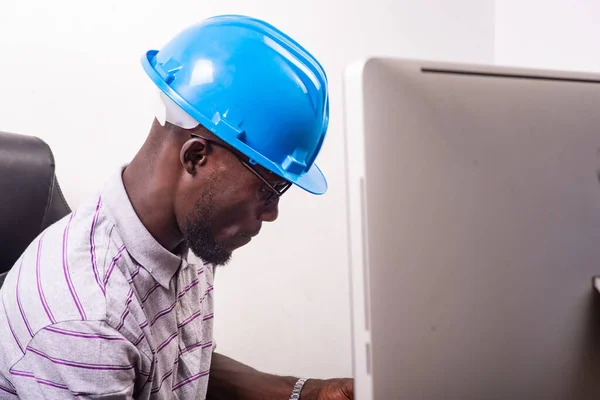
[[217, 260], [215, 255]]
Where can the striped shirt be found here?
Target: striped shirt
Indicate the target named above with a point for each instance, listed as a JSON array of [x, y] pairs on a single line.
[[97, 308]]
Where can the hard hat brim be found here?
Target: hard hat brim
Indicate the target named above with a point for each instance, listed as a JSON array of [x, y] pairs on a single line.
[[313, 181]]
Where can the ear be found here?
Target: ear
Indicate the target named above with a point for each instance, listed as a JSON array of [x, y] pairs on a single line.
[[193, 154]]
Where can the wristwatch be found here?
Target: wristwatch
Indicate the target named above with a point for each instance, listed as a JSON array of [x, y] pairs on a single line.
[[298, 388]]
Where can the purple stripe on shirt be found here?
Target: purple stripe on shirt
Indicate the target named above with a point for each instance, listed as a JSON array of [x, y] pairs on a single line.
[[123, 316], [136, 272], [163, 313], [68, 274], [50, 383], [60, 361], [165, 376], [152, 289], [195, 346], [190, 379], [39, 281], [21, 373], [187, 288], [200, 270], [44, 381], [208, 289], [126, 311], [112, 264], [11, 328], [55, 385], [190, 348], [60, 386], [93, 246], [19, 299], [166, 342], [139, 339], [190, 319], [8, 390], [82, 334]]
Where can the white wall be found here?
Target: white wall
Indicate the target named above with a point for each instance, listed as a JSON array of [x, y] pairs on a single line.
[[70, 74], [549, 34]]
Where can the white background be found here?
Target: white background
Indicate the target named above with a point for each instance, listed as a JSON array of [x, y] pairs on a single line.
[[70, 74], [550, 34]]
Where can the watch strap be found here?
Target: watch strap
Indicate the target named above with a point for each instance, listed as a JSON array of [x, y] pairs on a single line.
[[298, 388]]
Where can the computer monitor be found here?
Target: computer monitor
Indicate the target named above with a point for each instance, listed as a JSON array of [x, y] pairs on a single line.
[[474, 215]]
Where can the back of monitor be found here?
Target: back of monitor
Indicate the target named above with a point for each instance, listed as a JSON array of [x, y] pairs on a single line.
[[474, 212]]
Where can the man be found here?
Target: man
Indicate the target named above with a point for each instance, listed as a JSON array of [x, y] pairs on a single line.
[[104, 304]]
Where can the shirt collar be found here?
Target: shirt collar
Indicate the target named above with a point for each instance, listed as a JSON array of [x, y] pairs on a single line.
[[140, 244]]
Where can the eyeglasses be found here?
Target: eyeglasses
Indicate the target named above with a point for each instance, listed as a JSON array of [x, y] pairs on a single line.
[[273, 191]]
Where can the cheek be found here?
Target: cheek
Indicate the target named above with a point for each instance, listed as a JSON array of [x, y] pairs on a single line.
[[192, 201], [184, 208], [234, 208]]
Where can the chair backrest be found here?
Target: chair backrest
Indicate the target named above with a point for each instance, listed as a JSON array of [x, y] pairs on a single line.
[[30, 197]]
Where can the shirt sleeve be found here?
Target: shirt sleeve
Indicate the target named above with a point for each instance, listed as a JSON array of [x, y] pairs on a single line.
[[77, 359]]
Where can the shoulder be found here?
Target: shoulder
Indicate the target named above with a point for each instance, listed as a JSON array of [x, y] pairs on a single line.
[[60, 276]]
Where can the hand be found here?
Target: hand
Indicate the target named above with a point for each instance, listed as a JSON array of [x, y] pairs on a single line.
[[337, 389], [330, 389]]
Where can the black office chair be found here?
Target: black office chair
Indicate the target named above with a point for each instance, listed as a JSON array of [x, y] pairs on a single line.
[[30, 198]]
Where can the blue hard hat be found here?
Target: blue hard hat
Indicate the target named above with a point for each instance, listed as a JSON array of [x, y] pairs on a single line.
[[252, 86]]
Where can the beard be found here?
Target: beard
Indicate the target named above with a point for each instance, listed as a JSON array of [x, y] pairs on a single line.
[[198, 233]]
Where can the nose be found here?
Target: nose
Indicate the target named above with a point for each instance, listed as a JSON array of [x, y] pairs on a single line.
[[270, 212]]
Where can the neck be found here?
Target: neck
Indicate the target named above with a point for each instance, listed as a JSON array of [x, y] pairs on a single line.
[[153, 203]]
